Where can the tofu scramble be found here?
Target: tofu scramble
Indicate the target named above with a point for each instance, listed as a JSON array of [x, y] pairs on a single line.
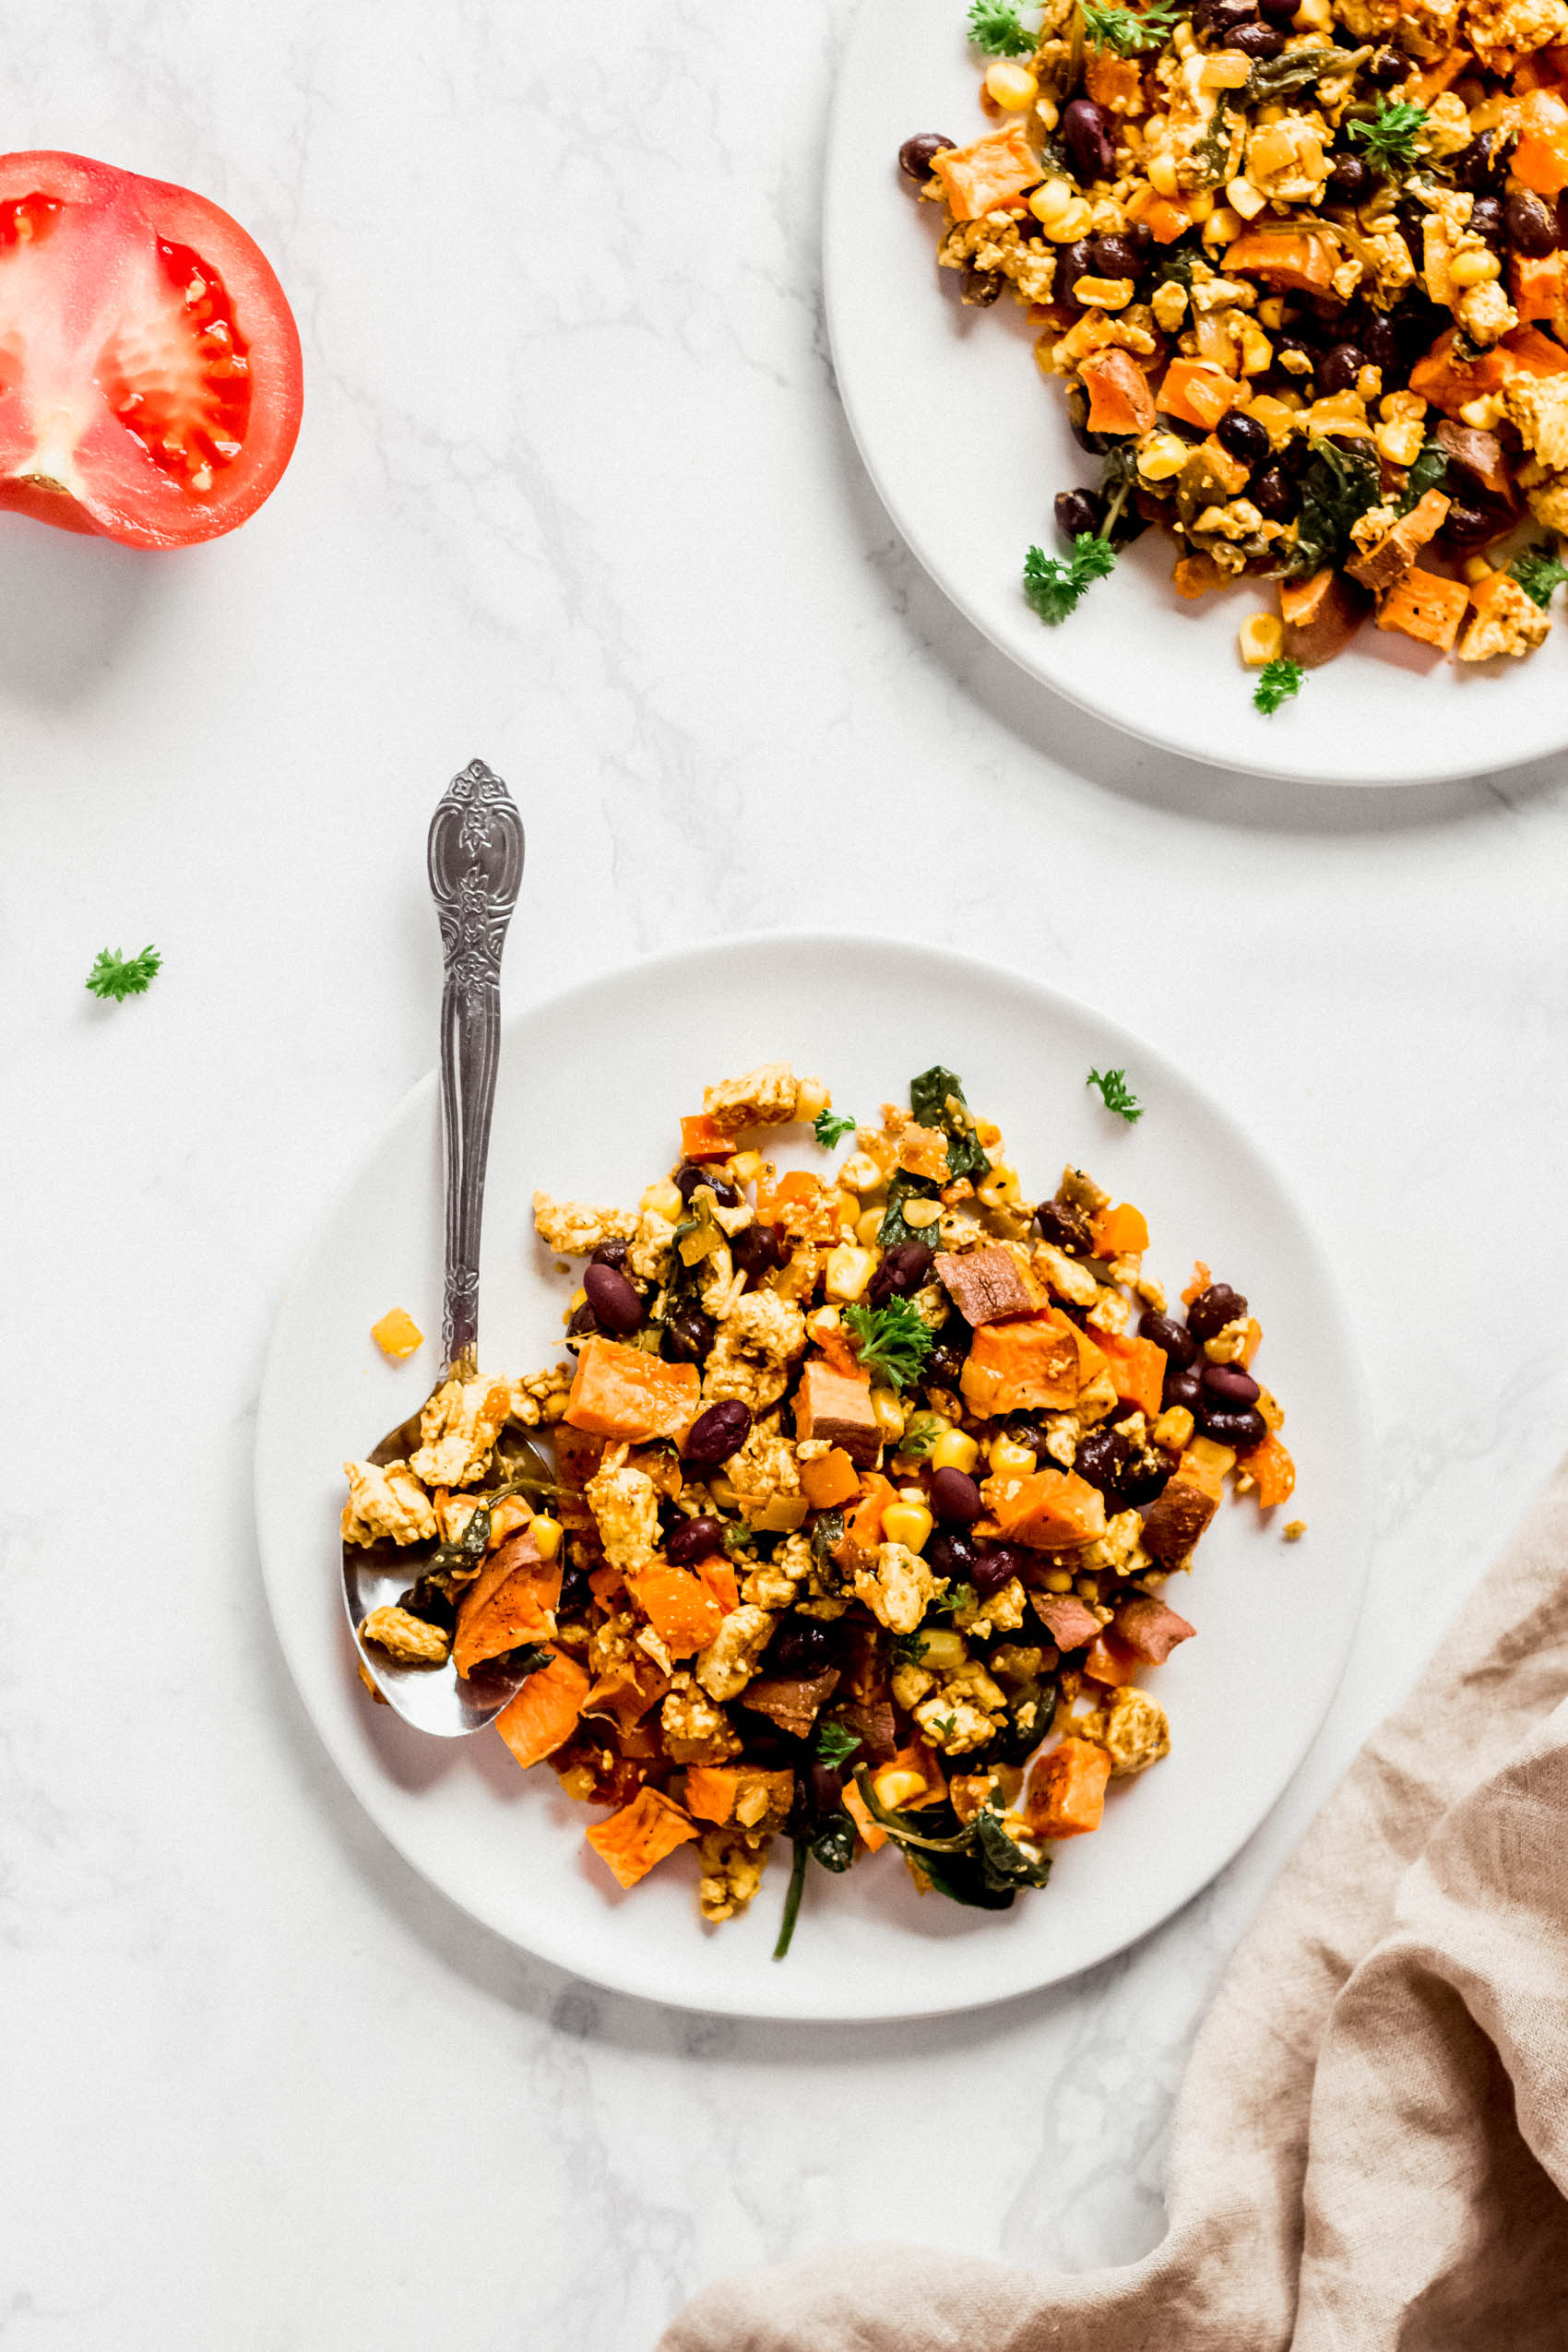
[[1298, 267], [864, 1501]]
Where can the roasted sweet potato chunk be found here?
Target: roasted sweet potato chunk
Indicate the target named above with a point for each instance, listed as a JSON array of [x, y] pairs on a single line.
[[986, 1285], [837, 1406]]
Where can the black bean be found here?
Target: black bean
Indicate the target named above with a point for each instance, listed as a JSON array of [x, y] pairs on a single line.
[[1278, 12], [951, 1555], [1213, 1309], [430, 1605], [1474, 165], [1229, 1384], [1258, 41], [613, 1298], [915, 155], [1563, 218], [978, 288], [694, 1540], [901, 1273], [828, 1780], [1339, 368], [720, 1432], [1242, 435], [1145, 1476], [1270, 493], [1467, 526], [1140, 236], [945, 1363], [801, 1646], [576, 1591], [1073, 262], [955, 1498], [1292, 340], [1183, 1385], [1114, 257], [1487, 218], [1025, 1430], [1349, 180], [758, 1250], [687, 1178], [992, 1569], [1164, 1331], [1243, 1429], [1079, 510], [688, 1336], [1386, 66], [1530, 226], [1101, 1457], [1220, 19], [1065, 1227], [1085, 132], [611, 1253], [582, 1323], [1380, 342]]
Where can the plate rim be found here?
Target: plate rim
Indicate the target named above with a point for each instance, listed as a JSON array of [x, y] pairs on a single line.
[[834, 256], [364, 1786]]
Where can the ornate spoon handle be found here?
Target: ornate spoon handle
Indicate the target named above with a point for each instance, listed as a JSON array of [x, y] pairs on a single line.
[[476, 867]]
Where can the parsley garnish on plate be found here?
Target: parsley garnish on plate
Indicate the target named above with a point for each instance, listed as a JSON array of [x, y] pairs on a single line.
[[996, 27], [1539, 573], [1115, 1094], [829, 1129], [1390, 137], [1278, 681], [834, 1744], [1053, 584], [114, 977], [1126, 30], [894, 1340]]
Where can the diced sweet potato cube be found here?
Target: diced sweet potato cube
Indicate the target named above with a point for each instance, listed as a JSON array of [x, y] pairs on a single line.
[[543, 1715], [829, 1481], [1422, 606], [1034, 1363], [1065, 1797], [679, 1607], [1112, 1661], [1121, 1232], [625, 1394], [1049, 1509], [1120, 398], [508, 1603], [922, 1151], [1479, 454], [791, 1701], [987, 173], [1273, 1470], [1178, 1515], [1535, 284], [1070, 1621], [837, 1406], [702, 1138], [1137, 1370], [640, 1835], [711, 1791], [719, 1578], [1298, 260], [1321, 614], [397, 1335], [1198, 393], [1382, 564], [1149, 1627], [988, 1285]]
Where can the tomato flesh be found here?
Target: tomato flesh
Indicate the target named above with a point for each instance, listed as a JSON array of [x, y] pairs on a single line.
[[149, 366]]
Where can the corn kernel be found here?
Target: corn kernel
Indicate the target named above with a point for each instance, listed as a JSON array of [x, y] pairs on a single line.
[[1012, 85], [1049, 113], [664, 1200], [1074, 222], [849, 1270], [987, 1133], [1200, 204], [906, 1523], [397, 1335], [547, 1536], [890, 1414], [1007, 1455], [1243, 199], [1314, 16], [1476, 569], [944, 1649], [1271, 310], [1059, 1581], [1182, 40], [1173, 1428], [1226, 69], [1162, 173], [1162, 454], [868, 1225], [1399, 408], [918, 1215], [1473, 268], [1002, 1189], [811, 1096], [1104, 293], [1050, 200], [955, 1451], [1399, 443], [895, 1787], [1260, 638], [745, 1168], [1088, 1588], [1223, 226]]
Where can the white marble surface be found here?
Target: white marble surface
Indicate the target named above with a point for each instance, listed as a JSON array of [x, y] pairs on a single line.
[[574, 492]]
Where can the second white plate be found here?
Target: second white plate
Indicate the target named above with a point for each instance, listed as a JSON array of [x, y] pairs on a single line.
[[590, 1087]]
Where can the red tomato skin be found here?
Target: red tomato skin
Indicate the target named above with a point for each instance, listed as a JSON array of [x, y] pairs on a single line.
[[119, 492]]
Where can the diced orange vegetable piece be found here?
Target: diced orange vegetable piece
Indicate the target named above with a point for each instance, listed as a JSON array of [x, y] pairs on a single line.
[[1536, 285], [1031, 1363], [1109, 1659], [678, 1606], [1137, 1370], [1115, 83], [1449, 384], [543, 1715], [1539, 160], [1198, 1283], [1050, 1509], [1166, 222], [1437, 79], [873, 1835], [1422, 606], [640, 1835], [829, 1481], [797, 1189], [510, 1601], [1199, 393], [1300, 259], [719, 1578], [862, 1529], [398, 1335], [701, 1139], [624, 1392], [1120, 399], [922, 1151], [1272, 1466], [626, 1690], [1065, 1797], [1121, 1232], [1536, 353], [987, 174], [920, 1761], [605, 1582], [711, 1791]]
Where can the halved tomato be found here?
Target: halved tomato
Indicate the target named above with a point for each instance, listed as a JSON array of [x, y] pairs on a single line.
[[150, 365]]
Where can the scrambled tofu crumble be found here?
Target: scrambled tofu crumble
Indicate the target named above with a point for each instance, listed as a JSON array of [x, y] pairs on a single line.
[[1302, 277], [868, 1483]]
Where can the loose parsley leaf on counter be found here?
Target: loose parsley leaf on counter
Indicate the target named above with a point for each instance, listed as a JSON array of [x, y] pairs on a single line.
[[115, 976], [1278, 681], [1126, 30], [1390, 137], [1115, 1094], [894, 1340], [936, 1098], [1539, 573], [1052, 584], [995, 27], [835, 1744], [829, 1129]]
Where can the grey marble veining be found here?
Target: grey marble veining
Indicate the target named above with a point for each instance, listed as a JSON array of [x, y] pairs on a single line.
[[574, 494]]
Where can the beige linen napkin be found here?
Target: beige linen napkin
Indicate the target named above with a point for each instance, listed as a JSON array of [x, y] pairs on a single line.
[[1371, 2146]]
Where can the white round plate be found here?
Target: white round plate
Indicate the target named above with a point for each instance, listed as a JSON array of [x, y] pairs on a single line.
[[967, 445], [589, 1090]]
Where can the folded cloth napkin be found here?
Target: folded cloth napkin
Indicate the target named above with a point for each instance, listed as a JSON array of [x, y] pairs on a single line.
[[1371, 2146]]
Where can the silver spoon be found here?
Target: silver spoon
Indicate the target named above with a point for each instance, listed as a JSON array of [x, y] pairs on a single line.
[[476, 866]]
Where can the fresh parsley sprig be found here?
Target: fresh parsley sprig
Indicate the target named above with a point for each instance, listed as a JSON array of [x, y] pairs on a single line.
[[829, 1129], [996, 27], [835, 1743], [894, 1340], [1053, 584], [114, 977], [1130, 33], [1390, 137], [1539, 573], [1116, 1095], [1278, 681]]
